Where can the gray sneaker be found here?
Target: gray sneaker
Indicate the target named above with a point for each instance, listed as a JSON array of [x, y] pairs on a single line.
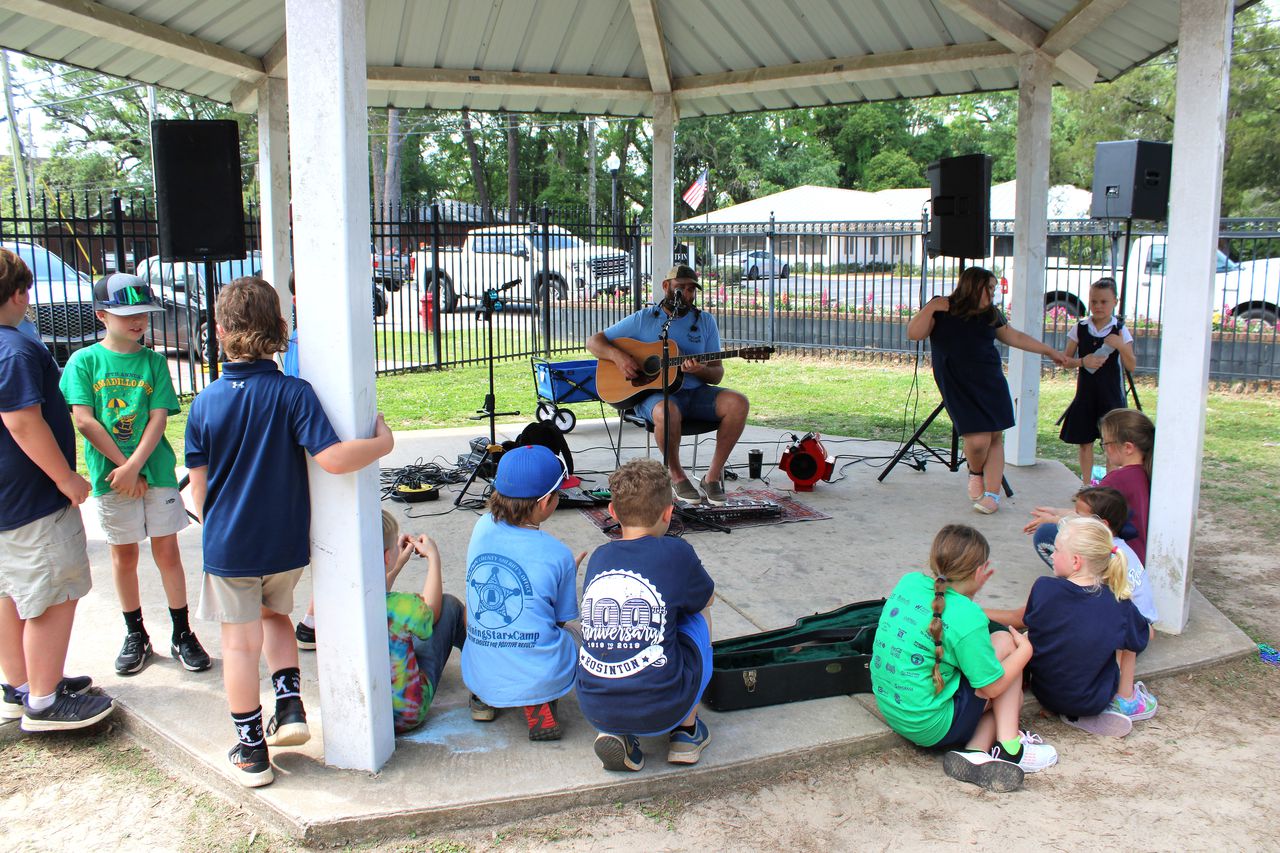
[[686, 492], [714, 490]]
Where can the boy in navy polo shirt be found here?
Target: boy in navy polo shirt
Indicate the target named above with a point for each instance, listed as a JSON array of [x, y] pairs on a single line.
[[646, 628], [247, 439], [44, 568]]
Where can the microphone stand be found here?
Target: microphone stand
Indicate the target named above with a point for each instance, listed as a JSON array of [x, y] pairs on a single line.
[[678, 309]]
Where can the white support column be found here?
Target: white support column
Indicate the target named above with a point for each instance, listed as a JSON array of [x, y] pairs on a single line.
[[273, 187], [1030, 229], [664, 192], [330, 160], [1195, 195]]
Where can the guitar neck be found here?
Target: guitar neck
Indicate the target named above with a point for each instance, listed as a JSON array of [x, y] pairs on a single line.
[[709, 356]]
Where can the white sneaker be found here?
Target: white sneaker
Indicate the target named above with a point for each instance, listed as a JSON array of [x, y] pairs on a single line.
[[987, 771], [1036, 754]]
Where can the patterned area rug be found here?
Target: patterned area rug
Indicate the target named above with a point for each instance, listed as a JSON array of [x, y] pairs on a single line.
[[792, 510]]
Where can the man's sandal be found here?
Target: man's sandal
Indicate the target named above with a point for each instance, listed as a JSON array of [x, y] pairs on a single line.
[[976, 485], [982, 506]]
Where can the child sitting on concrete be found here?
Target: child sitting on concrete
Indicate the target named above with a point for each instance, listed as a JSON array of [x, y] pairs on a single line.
[[520, 593], [421, 629], [646, 628]]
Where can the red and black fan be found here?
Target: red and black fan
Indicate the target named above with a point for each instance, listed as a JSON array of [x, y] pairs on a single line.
[[806, 462]]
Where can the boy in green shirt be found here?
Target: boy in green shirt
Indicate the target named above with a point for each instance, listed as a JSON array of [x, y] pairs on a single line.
[[121, 395]]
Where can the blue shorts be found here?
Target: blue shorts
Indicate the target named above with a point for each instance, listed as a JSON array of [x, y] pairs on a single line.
[[696, 404], [967, 708], [695, 628]]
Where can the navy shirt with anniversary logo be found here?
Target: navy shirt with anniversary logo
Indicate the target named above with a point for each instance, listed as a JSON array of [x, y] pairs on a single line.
[[253, 428]]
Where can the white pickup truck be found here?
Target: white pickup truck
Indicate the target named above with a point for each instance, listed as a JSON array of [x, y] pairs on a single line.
[[1245, 290], [491, 257]]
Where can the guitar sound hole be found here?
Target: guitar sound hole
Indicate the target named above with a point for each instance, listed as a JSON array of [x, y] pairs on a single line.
[[652, 365]]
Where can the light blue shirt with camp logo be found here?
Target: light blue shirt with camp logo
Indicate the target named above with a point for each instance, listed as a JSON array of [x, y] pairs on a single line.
[[520, 583], [692, 334]]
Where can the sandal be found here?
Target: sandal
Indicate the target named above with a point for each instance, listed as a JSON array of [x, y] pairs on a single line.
[[983, 507], [975, 485]]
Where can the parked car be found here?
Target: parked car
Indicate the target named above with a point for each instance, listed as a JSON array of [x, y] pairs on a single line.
[[62, 297], [756, 264], [180, 288], [389, 269], [491, 257]]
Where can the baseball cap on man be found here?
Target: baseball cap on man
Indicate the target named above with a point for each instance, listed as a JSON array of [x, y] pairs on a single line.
[[683, 272], [532, 471], [124, 295]]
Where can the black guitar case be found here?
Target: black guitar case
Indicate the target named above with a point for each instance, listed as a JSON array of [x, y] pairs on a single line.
[[826, 654]]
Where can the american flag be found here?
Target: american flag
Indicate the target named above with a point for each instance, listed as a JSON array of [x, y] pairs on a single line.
[[696, 192]]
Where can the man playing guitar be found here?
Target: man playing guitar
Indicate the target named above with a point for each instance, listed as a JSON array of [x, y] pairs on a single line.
[[691, 332]]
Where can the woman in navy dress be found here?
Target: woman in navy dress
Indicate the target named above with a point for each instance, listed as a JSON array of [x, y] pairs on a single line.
[[962, 330]]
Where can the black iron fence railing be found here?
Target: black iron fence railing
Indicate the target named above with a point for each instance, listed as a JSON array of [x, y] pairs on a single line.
[[561, 275]]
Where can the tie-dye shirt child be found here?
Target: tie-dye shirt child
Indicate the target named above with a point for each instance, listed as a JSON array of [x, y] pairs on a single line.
[[408, 616]]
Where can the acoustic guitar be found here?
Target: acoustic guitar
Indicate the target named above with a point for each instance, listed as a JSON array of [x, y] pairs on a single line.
[[617, 390]]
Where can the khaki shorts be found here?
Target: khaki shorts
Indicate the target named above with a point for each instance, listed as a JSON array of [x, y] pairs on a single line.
[[126, 520], [237, 600], [44, 562]]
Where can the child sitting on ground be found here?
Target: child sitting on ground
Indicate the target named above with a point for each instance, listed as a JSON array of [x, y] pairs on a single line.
[[1128, 438], [1078, 620], [942, 680], [520, 593], [121, 396], [646, 628], [248, 435], [421, 629]]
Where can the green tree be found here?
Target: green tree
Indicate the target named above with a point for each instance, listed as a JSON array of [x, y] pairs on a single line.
[[893, 168]]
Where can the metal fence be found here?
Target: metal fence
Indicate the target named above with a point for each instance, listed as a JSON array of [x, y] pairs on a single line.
[[555, 277]]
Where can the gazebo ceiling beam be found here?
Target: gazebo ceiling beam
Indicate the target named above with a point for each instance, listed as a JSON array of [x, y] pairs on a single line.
[[99, 21], [505, 82], [652, 44], [1086, 17], [1020, 35]]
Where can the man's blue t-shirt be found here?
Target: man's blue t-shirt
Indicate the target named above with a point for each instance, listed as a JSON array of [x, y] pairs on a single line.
[[520, 583], [1076, 632], [29, 377], [636, 673], [691, 334], [251, 428]]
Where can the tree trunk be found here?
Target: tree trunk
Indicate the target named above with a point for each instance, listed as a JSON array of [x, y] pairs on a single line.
[[513, 167], [378, 162], [477, 167], [391, 181]]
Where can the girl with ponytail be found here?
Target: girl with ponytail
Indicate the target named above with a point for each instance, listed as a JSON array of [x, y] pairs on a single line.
[[1079, 620], [942, 680]]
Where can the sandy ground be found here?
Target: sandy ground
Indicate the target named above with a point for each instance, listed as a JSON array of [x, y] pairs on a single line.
[[1201, 775]]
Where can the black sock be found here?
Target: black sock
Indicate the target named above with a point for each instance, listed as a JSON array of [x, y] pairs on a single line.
[[133, 621], [249, 728], [686, 729], [181, 622], [287, 684]]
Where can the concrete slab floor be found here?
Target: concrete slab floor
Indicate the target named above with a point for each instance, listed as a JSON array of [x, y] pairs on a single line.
[[454, 771]]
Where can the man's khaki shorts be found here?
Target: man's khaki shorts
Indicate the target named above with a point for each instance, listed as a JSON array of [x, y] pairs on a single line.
[[237, 600], [44, 562], [126, 520]]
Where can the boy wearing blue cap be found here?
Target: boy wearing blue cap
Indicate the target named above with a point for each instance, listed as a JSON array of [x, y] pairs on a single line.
[[121, 396], [520, 593]]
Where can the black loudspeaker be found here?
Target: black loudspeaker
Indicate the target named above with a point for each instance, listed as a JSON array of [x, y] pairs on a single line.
[[1131, 180], [198, 196], [960, 207]]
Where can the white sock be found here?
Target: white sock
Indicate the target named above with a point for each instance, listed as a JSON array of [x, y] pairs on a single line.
[[24, 687], [309, 620], [39, 703]]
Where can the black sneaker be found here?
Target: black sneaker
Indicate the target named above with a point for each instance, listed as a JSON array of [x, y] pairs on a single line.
[[11, 703], [68, 711], [306, 637], [134, 654], [288, 725], [251, 765], [188, 652], [990, 771]]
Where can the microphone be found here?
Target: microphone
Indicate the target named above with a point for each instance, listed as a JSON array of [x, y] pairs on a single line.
[[678, 305]]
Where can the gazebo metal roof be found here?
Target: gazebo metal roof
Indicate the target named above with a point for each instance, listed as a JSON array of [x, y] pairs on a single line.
[[609, 57]]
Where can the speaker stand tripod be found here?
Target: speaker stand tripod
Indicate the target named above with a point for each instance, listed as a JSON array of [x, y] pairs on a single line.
[[919, 456]]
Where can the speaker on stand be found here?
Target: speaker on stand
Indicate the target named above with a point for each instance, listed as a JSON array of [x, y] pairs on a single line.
[[1130, 181], [199, 203], [960, 207]]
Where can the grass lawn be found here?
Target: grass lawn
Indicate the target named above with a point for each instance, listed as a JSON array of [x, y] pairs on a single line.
[[1241, 466]]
